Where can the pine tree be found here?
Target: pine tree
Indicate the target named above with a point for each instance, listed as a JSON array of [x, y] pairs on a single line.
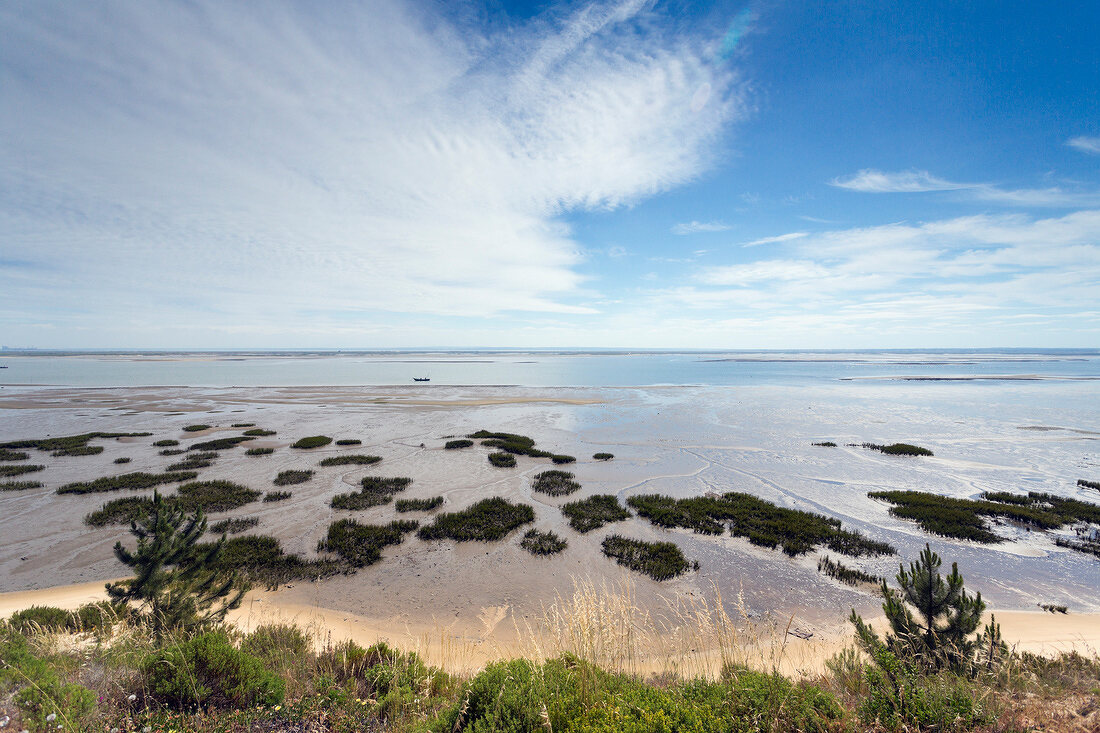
[[938, 636], [177, 584]]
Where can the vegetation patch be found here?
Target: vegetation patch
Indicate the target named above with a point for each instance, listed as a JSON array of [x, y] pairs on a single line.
[[195, 428], [276, 496], [120, 461], [78, 450], [594, 512], [658, 560], [11, 455], [558, 458], [208, 671], [487, 520], [899, 449], [20, 469], [213, 496], [458, 444], [67, 442], [234, 525], [844, 574], [190, 464], [418, 505], [260, 558], [356, 460], [375, 492], [603, 456], [555, 483], [519, 445], [172, 452], [361, 544], [313, 441], [542, 543], [19, 485], [243, 425], [120, 511], [964, 518], [826, 444], [166, 443], [288, 478], [220, 443], [259, 451], [259, 433], [502, 460], [349, 441], [1053, 608], [761, 522], [1089, 484], [137, 480]]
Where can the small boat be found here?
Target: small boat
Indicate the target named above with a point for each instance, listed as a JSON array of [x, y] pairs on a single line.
[[422, 379]]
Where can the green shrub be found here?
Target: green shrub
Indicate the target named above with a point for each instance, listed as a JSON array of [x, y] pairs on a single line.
[[259, 451], [899, 449], [91, 617], [79, 450], [122, 460], [120, 511], [563, 459], [19, 485], [44, 618], [167, 443], [276, 496], [259, 433], [594, 512], [213, 496], [261, 558], [289, 478], [11, 455], [519, 445], [555, 483], [418, 505], [243, 425], [395, 681], [233, 525], [603, 456], [190, 464], [658, 560], [279, 645], [138, 480], [19, 470], [375, 492], [542, 543], [36, 689], [314, 441], [349, 441], [845, 574], [361, 544], [458, 444], [356, 460], [220, 443], [172, 452], [195, 428], [487, 520], [208, 671], [502, 460]]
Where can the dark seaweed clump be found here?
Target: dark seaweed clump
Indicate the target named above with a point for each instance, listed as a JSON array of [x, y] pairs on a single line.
[[845, 574], [555, 483], [20, 469], [313, 441], [258, 433], [356, 460], [375, 492], [361, 544], [502, 460], [603, 456], [1089, 484], [220, 443], [457, 444], [259, 451], [289, 478], [761, 522], [66, 442], [349, 441], [487, 520], [11, 455], [418, 505], [234, 525], [899, 449], [19, 485], [542, 543], [594, 512], [276, 496], [137, 480], [658, 560], [195, 428]]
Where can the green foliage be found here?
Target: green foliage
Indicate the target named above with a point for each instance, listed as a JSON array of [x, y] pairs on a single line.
[[220, 443], [761, 522], [79, 450], [67, 442], [11, 455], [167, 443], [418, 505], [314, 441], [195, 428], [208, 671], [603, 456], [261, 559], [91, 617], [542, 543], [213, 496], [457, 444], [122, 460], [826, 444], [243, 425], [259, 433], [899, 449], [558, 458], [361, 544], [192, 463], [502, 460], [658, 560], [487, 520], [46, 618], [120, 511], [555, 483], [519, 445], [138, 480], [19, 485], [36, 688], [594, 512], [289, 478], [277, 644], [19, 470], [394, 681], [1089, 484], [276, 496], [376, 491], [349, 441], [172, 451], [234, 525], [355, 460], [259, 451], [845, 574]]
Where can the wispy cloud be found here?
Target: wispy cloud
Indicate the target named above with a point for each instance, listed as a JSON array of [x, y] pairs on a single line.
[[869, 180], [775, 240], [694, 227], [309, 164], [874, 181], [1085, 144]]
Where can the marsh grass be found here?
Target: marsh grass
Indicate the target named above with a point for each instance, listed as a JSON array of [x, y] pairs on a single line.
[[260, 558], [559, 459], [354, 460], [19, 485], [126, 481], [219, 443], [289, 478], [214, 496], [120, 461], [488, 520], [78, 450], [19, 470], [66, 442], [826, 444], [172, 452], [276, 496], [603, 456], [376, 491], [195, 428], [349, 441], [658, 560], [1089, 484], [850, 576], [418, 505], [233, 525], [361, 545], [899, 449], [243, 425], [594, 512], [166, 443], [542, 543], [519, 445], [259, 451], [554, 483], [190, 464], [258, 433], [11, 455], [458, 444], [313, 441], [502, 460]]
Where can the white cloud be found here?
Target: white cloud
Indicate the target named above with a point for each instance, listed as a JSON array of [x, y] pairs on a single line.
[[1085, 144], [694, 227], [874, 181], [869, 180], [216, 164], [775, 240]]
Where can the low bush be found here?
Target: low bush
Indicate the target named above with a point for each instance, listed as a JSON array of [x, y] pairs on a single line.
[[487, 520], [91, 617], [259, 451], [658, 560], [458, 444], [314, 441], [33, 687], [375, 492], [259, 433], [195, 428], [289, 478], [361, 544], [128, 481], [502, 460], [899, 449], [220, 443], [349, 441], [844, 574], [594, 512], [276, 496], [279, 645], [233, 525], [12, 455], [19, 485], [418, 505], [208, 671], [542, 543], [603, 456], [356, 460], [122, 460], [166, 443], [19, 470], [214, 496], [563, 459], [555, 483], [1054, 608], [397, 683]]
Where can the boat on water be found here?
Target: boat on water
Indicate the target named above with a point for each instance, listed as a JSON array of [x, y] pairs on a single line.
[[422, 379]]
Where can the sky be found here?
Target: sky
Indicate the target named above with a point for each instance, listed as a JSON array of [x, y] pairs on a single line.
[[405, 174]]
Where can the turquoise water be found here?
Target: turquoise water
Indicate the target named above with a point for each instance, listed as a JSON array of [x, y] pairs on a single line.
[[537, 369]]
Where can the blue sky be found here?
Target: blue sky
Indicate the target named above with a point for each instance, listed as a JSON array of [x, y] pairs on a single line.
[[621, 174]]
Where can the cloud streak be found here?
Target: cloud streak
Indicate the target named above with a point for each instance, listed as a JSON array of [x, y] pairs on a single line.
[[1085, 144], [874, 181], [695, 227]]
